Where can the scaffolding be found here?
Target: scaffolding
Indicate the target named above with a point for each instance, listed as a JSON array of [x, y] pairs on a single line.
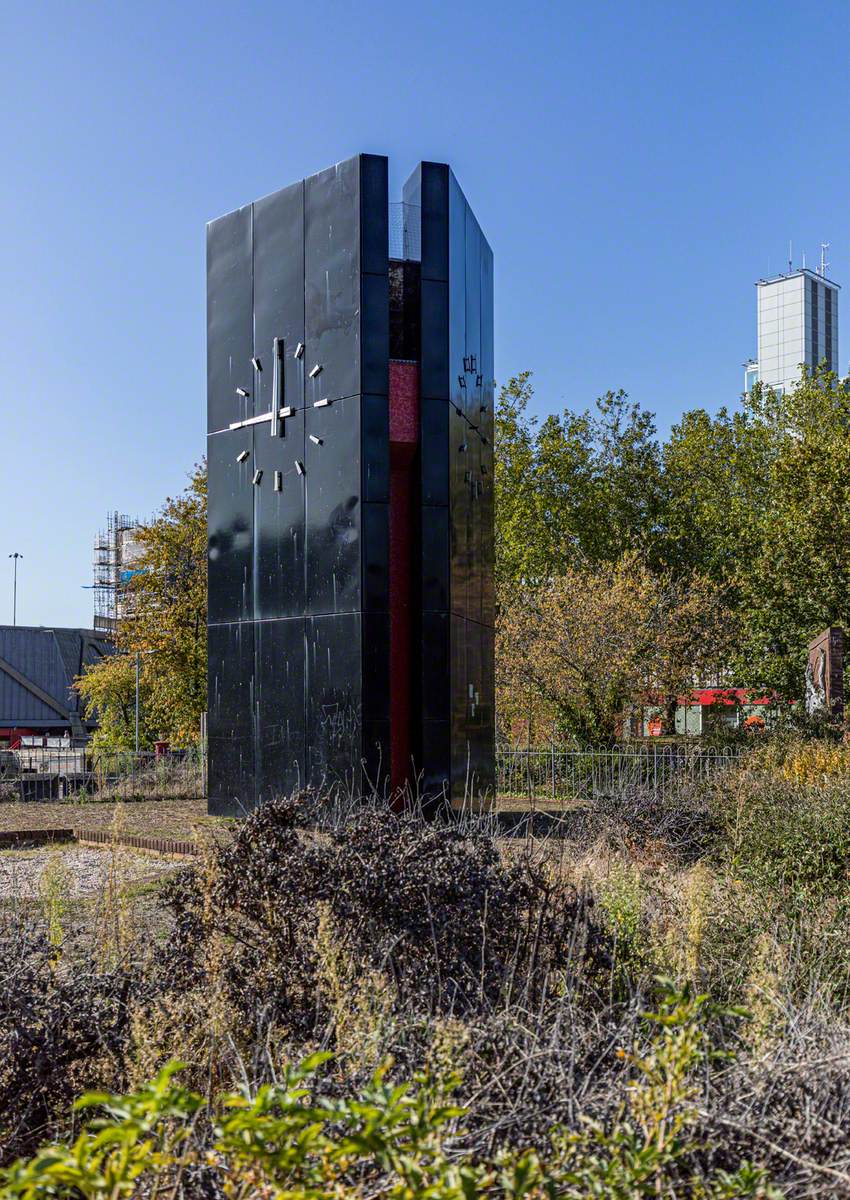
[[114, 550]]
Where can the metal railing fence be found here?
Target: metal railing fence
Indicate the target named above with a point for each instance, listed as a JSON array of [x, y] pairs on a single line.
[[558, 775], [552, 775], [49, 774]]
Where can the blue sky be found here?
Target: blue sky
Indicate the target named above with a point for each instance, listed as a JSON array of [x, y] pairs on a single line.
[[636, 167]]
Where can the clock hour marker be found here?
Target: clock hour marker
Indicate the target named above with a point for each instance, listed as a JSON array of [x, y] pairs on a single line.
[[299, 467], [278, 481], [321, 403], [317, 370], [277, 383], [258, 475], [256, 364], [316, 441], [241, 392], [287, 411], [243, 457], [299, 350]]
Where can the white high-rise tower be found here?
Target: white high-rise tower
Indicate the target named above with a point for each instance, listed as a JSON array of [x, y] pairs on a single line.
[[797, 323]]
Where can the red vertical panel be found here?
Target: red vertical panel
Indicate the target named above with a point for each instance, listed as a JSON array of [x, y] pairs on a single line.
[[404, 434]]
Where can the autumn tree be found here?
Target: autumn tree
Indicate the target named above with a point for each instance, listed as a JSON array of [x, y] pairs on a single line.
[[583, 646], [166, 628]]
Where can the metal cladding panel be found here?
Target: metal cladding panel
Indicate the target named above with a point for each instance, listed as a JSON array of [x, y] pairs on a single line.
[[229, 314], [428, 189], [435, 558], [376, 667], [435, 764], [279, 512], [334, 700], [333, 482], [434, 442], [374, 214], [436, 667], [231, 718], [375, 533], [459, 459], [375, 332], [281, 764], [278, 256], [230, 526], [375, 442], [486, 765], [333, 281], [435, 339], [457, 606], [459, 682], [486, 420]]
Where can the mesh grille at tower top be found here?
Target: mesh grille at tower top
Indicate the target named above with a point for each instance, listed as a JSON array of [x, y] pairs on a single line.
[[405, 227]]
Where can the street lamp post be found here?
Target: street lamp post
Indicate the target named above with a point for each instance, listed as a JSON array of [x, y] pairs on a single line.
[[15, 556]]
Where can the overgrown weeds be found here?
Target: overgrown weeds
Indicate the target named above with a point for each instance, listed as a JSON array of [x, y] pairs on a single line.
[[511, 982]]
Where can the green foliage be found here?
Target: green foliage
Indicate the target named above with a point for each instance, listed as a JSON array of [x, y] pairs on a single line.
[[578, 487], [392, 1141], [786, 821], [755, 499], [167, 629]]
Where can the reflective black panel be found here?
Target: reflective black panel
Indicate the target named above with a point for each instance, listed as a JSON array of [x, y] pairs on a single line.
[[280, 705], [432, 194], [434, 433], [375, 447], [230, 720], [436, 691], [375, 533], [435, 558], [334, 714], [279, 562], [230, 522], [434, 371], [279, 293], [375, 333], [229, 316], [332, 281], [333, 507], [436, 761], [376, 666]]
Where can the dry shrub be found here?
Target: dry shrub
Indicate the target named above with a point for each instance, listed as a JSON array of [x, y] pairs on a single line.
[[430, 911]]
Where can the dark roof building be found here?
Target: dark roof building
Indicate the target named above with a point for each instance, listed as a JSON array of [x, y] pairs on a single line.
[[37, 668]]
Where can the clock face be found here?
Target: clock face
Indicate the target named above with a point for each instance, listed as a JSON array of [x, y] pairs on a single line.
[[277, 415]]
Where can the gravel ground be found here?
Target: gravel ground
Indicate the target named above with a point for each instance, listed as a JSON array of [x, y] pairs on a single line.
[[154, 818], [84, 871]]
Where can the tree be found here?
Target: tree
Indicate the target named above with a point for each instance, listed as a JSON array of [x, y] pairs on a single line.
[[585, 645], [580, 487], [166, 628], [799, 580]]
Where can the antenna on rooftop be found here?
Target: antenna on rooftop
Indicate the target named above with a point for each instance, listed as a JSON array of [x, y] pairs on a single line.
[[790, 256], [824, 264]]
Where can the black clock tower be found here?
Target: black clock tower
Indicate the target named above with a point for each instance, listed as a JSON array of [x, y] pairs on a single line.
[[350, 419]]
